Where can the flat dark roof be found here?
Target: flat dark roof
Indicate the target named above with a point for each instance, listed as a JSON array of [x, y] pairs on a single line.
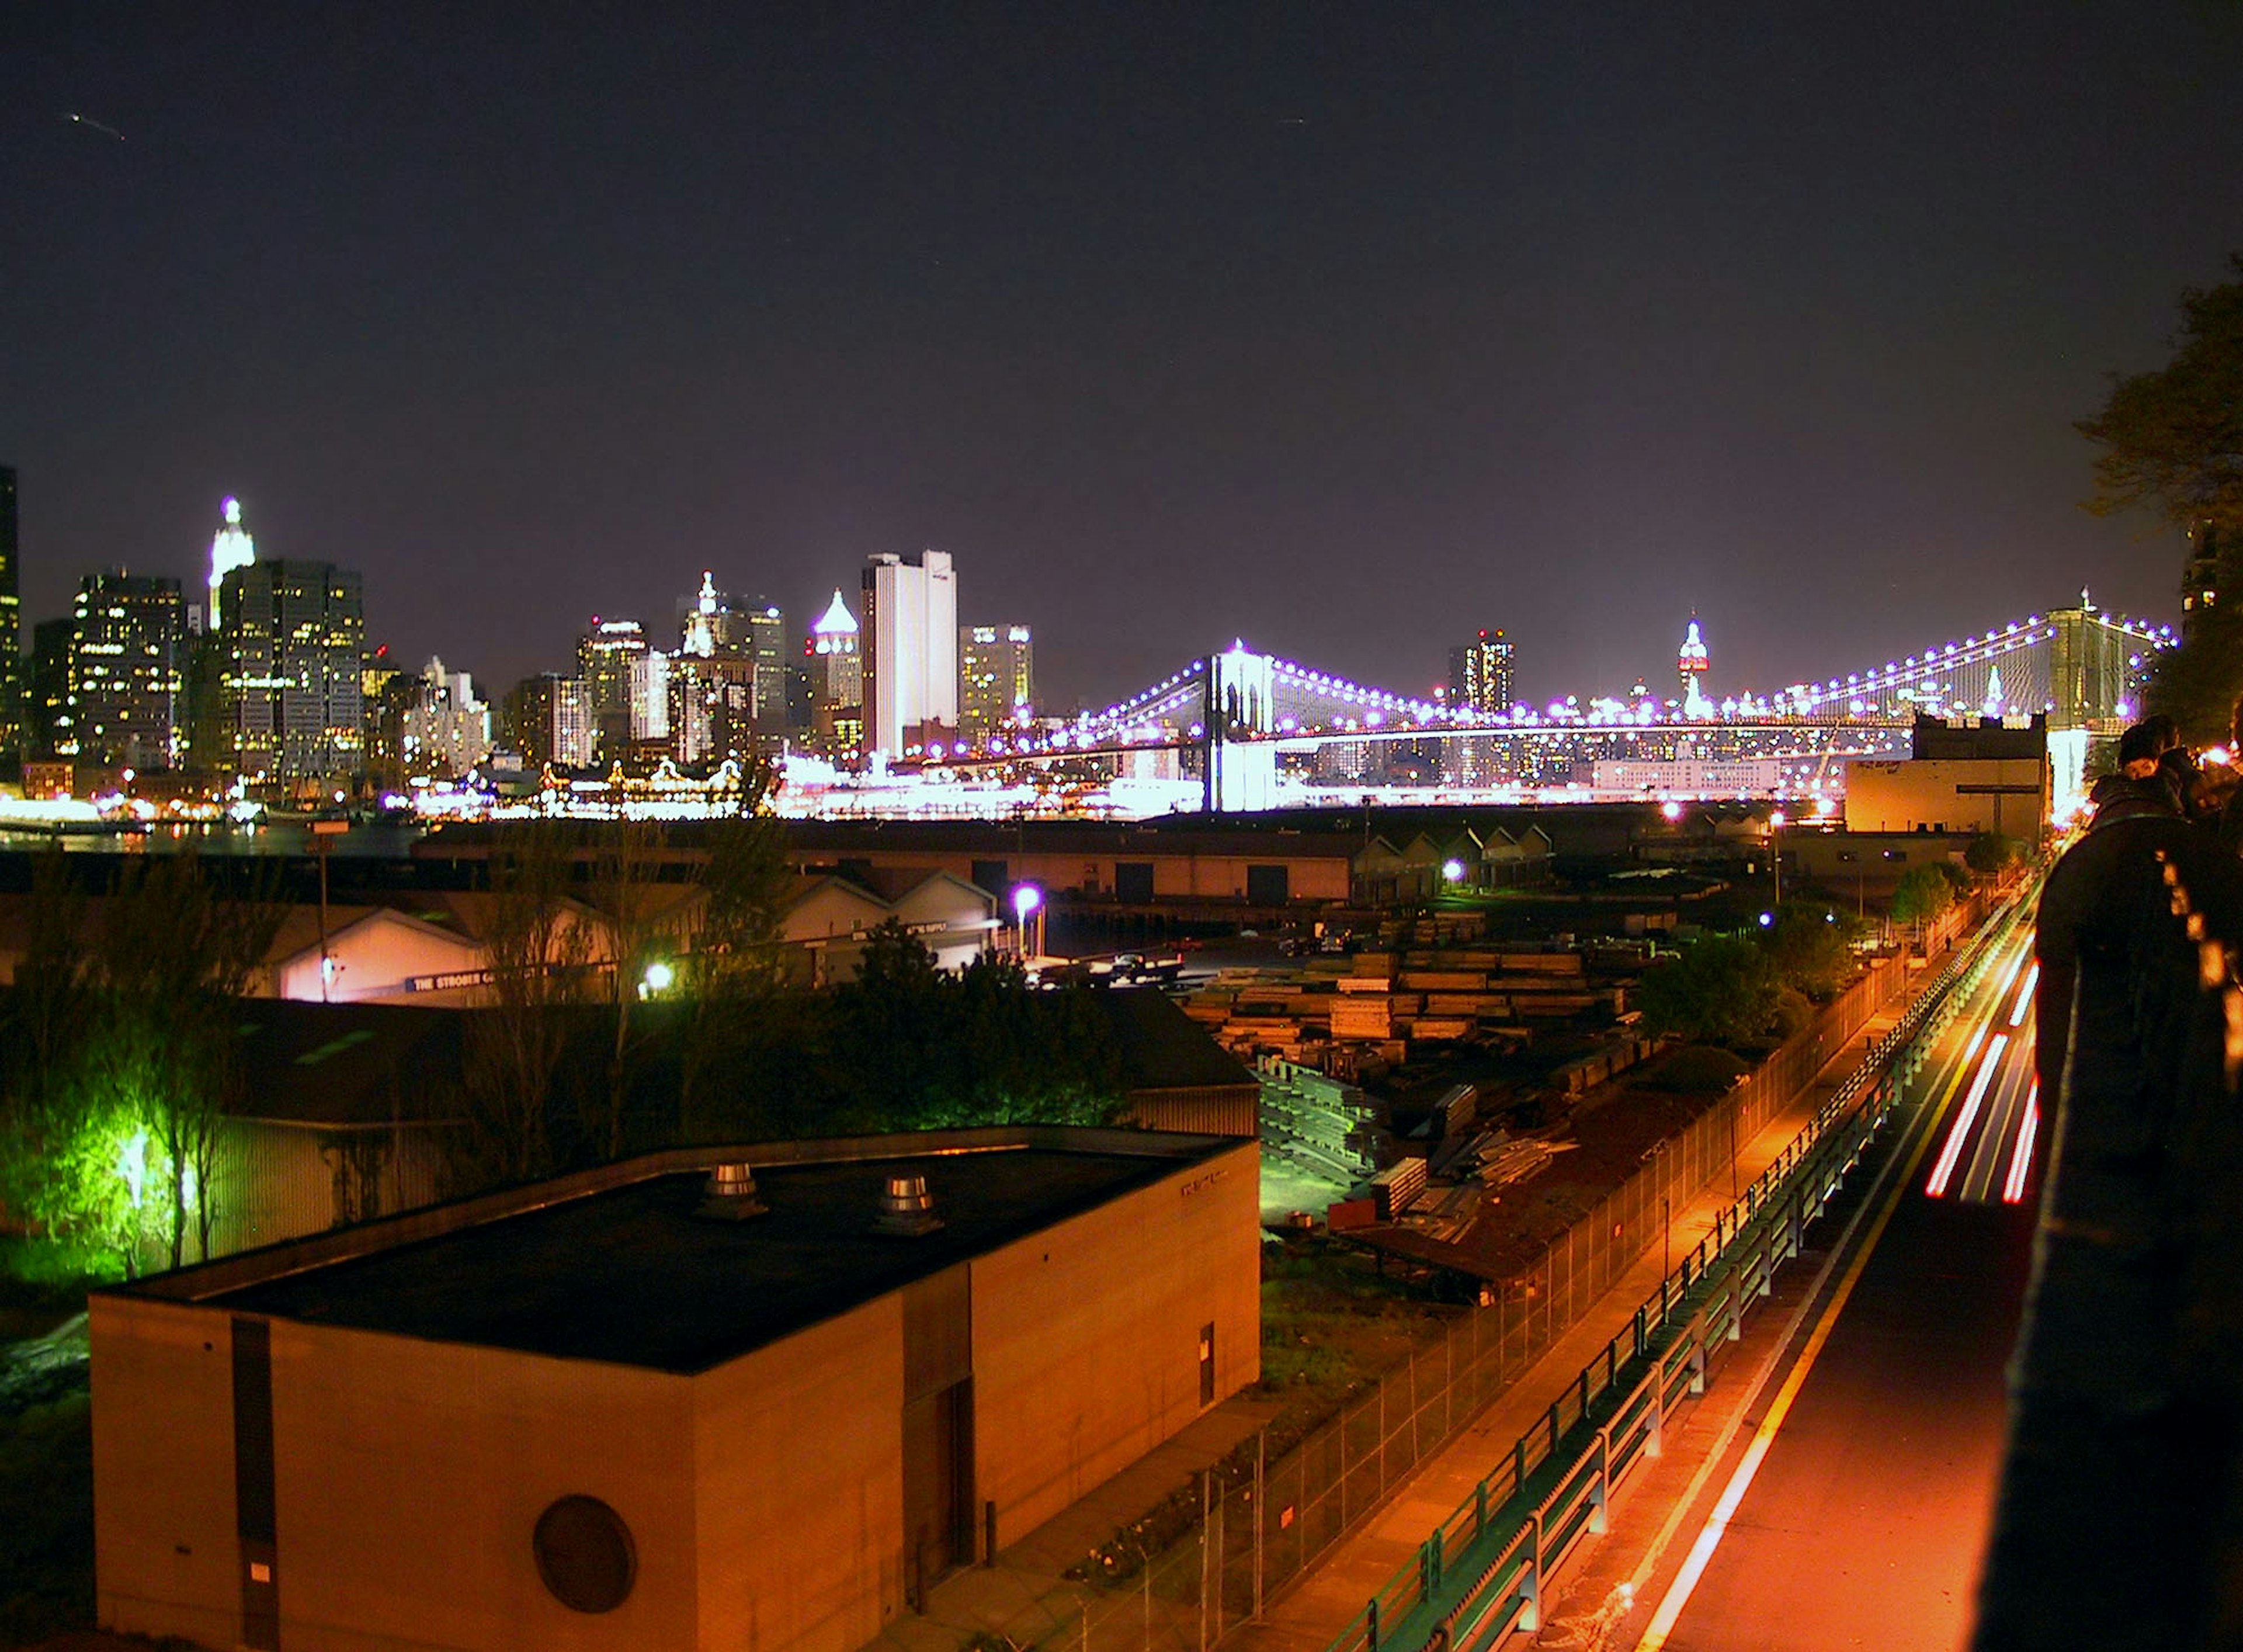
[[630, 1275]]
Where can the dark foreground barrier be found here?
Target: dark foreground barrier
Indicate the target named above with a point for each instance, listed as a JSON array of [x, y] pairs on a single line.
[[2120, 1519]]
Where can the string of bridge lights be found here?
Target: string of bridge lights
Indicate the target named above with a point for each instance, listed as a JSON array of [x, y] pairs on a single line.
[[1136, 720]]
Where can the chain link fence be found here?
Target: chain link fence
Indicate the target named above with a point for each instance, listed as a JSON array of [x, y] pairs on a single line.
[[1264, 1520]]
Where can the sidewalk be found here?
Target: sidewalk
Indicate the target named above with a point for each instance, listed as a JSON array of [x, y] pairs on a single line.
[[1026, 1594], [1314, 1612]]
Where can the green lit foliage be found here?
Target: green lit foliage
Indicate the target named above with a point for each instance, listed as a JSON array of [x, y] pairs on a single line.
[[1720, 990], [906, 1045], [121, 1058]]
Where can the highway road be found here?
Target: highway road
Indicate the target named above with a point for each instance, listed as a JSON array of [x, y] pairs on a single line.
[[1852, 1507]]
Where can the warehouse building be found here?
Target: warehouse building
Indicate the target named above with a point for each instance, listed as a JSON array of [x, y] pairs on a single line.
[[759, 1399]]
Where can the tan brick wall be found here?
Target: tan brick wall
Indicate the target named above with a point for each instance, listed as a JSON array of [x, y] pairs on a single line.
[[167, 1559], [1086, 1336], [799, 1454]]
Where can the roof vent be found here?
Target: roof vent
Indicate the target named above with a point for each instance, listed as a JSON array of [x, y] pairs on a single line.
[[906, 1208], [729, 1194]]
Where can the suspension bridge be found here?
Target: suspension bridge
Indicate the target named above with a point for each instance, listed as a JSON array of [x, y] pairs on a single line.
[[1239, 718]]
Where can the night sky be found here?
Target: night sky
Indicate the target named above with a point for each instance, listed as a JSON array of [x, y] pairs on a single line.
[[1349, 330]]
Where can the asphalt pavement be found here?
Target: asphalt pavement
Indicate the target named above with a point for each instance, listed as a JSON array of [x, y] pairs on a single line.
[[1845, 1496]]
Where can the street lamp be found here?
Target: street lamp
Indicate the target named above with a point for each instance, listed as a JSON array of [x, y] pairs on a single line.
[[1775, 851], [658, 979], [1028, 901]]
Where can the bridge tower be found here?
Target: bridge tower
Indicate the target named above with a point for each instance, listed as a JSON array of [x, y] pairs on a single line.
[[1240, 758]]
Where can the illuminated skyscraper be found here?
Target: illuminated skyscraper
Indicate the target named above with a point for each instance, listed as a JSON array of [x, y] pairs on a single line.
[[128, 659], [295, 638], [837, 682], [646, 713], [1480, 673], [718, 625], [445, 731], [1691, 665], [548, 717], [910, 648], [231, 549], [996, 676], [607, 656]]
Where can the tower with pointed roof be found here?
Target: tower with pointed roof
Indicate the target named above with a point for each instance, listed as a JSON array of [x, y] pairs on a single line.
[[233, 548], [1691, 664]]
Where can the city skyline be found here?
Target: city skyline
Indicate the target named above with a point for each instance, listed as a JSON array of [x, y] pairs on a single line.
[[1519, 316]]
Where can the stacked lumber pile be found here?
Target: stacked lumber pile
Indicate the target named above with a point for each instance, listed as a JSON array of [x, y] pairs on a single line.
[[1319, 1122], [1388, 999]]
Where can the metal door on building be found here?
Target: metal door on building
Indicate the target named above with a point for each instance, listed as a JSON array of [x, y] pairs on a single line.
[[1267, 886], [938, 1490]]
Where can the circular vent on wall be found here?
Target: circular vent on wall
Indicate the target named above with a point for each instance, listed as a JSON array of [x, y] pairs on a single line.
[[585, 1554]]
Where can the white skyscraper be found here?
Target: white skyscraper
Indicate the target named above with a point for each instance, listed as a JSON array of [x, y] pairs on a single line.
[[650, 695], [232, 549], [910, 651]]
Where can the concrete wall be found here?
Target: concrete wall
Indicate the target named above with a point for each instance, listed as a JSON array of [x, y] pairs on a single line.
[[1086, 1336], [166, 1558], [374, 958], [1949, 795], [765, 1498], [1176, 875], [798, 1457], [410, 1475]]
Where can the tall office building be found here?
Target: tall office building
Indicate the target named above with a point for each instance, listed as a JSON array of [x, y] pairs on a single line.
[[647, 701], [128, 657], [52, 726], [233, 548], [718, 625], [1480, 673], [294, 635], [608, 658], [765, 642], [835, 675], [11, 607], [445, 731], [910, 651], [549, 718], [996, 676]]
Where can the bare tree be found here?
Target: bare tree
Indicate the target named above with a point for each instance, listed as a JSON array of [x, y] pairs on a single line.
[[627, 872], [735, 963], [537, 955]]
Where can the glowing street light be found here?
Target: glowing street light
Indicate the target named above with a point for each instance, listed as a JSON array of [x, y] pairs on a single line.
[[1453, 871], [659, 978], [1028, 901]]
